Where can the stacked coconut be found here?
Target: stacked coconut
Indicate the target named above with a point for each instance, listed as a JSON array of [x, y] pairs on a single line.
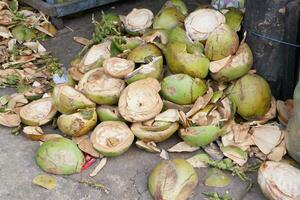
[[168, 73]]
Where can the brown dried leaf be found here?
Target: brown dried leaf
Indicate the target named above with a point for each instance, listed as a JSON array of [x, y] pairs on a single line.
[[6, 17], [217, 65], [266, 137], [100, 166], [240, 132], [35, 46], [182, 147], [86, 146], [17, 100], [82, 40], [43, 30], [200, 103], [4, 32], [10, 119], [183, 119], [171, 105]]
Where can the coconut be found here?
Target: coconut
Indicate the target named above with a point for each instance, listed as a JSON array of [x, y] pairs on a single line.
[[112, 138], [222, 42], [168, 18], [140, 100], [183, 59], [180, 176], [157, 131], [109, 113], [141, 53], [200, 23], [151, 70], [38, 112], [9, 119], [101, 88], [234, 18], [252, 96], [79, 123], [182, 89], [137, 21], [59, 156], [279, 181], [235, 66], [68, 100], [118, 67], [158, 36], [95, 56], [127, 43], [200, 135], [178, 34]]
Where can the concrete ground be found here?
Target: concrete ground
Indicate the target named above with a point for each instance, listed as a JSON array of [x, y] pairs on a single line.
[[125, 176]]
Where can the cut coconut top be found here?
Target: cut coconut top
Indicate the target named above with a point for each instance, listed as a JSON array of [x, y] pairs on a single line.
[[95, 81], [38, 112], [96, 52], [138, 19], [111, 135], [140, 101], [200, 23], [118, 67]]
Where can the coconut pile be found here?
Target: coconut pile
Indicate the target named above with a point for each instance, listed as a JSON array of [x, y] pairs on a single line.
[[148, 77]]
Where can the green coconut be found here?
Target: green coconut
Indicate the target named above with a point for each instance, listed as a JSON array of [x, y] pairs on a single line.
[[112, 138], [141, 53], [252, 96], [180, 176], [180, 5], [168, 18], [109, 113], [101, 88], [222, 42], [23, 33], [200, 135], [77, 124], [237, 66], [59, 156], [234, 18], [127, 43], [153, 69], [178, 34], [182, 89], [181, 58], [68, 100]]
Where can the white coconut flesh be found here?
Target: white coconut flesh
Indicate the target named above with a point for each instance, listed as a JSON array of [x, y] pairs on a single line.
[[140, 102], [97, 52], [139, 19], [111, 135], [39, 111], [96, 82], [118, 67], [200, 23], [279, 180]]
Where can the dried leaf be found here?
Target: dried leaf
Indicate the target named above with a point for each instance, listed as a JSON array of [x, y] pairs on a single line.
[[100, 166], [164, 154], [199, 160], [86, 146], [171, 105], [17, 100], [283, 113], [82, 40], [216, 178], [183, 119], [148, 146], [10, 119], [35, 46], [45, 181], [183, 147], [216, 66], [43, 30], [4, 32], [214, 151], [200, 103], [240, 132], [266, 137]]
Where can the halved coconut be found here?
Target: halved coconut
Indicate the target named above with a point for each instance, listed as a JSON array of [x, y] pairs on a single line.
[[95, 56], [109, 113], [153, 69], [127, 43], [112, 138], [118, 67], [140, 100], [59, 156], [168, 18], [200, 135], [143, 52], [10, 119], [138, 20], [237, 65], [79, 123], [182, 88], [200, 23], [157, 131], [279, 181], [101, 88], [38, 112], [222, 42], [153, 36], [67, 100]]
